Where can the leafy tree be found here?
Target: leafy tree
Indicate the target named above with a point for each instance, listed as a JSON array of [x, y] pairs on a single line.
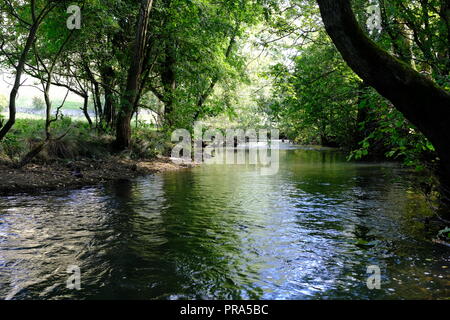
[[316, 101], [307, 96], [419, 98], [130, 96], [38, 103]]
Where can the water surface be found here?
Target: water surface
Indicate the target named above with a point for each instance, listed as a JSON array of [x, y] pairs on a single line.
[[226, 232]]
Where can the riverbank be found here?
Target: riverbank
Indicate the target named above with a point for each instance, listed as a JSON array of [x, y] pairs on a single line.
[[342, 211], [77, 174]]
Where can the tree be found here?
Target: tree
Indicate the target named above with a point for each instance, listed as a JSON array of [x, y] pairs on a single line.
[[134, 81], [38, 103], [37, 18], [422, 102], [3, 102]]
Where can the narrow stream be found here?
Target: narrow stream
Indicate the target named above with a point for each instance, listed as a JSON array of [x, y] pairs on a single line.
[[227, 232]]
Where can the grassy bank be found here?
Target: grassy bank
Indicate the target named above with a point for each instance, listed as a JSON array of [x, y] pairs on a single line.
[[80, 142], [83, 157]]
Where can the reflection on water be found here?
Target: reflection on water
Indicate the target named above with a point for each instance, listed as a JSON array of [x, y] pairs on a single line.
[[226, 232]]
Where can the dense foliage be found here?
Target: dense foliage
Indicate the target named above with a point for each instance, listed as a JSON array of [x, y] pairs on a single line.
[[196, 64], [317, 99]]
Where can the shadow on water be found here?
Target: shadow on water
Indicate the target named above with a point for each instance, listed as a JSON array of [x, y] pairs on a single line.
[[226, 232]]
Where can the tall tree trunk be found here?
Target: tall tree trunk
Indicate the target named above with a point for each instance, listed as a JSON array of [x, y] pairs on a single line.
[[423, 103], [48, 110], [97, 98], [95, 89], [209, 91], [108, 84], [86, 111], [168, 79], [130, 96]]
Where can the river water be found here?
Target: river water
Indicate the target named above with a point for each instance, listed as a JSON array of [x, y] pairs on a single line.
[[227, 232]]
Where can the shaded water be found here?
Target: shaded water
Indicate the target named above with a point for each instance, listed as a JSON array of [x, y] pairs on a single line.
[[226, 232]]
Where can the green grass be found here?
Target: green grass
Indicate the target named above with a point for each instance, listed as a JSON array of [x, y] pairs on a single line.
[[70, 105], [80, 142]]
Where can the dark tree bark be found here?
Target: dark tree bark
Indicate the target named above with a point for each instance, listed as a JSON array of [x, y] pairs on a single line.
[[423, 103], [46, 82], [97, 98], [168, 79], [86, 111], [108, 77], [95, 89], [130, 96], [209, 91]]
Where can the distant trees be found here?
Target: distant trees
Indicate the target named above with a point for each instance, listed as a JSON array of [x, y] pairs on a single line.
[[318, 98], [315, 102], [38, 103], [179, 51], [131, 95]]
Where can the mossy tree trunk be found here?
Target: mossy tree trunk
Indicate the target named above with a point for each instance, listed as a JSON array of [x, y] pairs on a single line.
[[420, 100]]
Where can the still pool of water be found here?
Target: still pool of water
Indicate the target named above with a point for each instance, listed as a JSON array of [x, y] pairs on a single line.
[[227, 232]]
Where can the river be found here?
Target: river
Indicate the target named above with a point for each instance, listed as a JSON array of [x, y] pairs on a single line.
[[227, 232]]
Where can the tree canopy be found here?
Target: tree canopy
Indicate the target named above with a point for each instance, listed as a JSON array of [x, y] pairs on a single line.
[[313, 69]]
